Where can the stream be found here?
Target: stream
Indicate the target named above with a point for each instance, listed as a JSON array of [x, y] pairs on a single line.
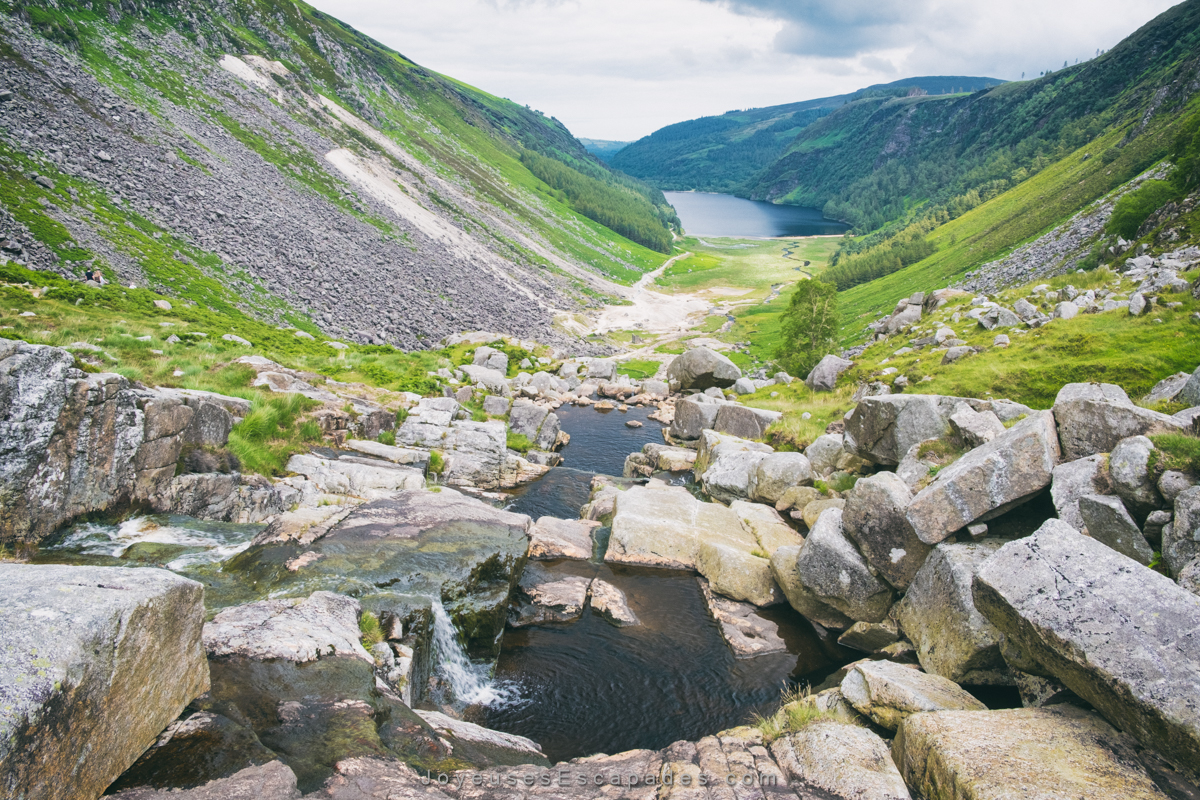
[[577, 688]]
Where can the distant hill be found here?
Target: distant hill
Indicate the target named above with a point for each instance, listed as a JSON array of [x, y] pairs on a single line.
[[878, 159], [603, 149], [726, 153]]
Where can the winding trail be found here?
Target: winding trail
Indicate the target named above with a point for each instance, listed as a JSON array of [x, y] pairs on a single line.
[[651, 311]]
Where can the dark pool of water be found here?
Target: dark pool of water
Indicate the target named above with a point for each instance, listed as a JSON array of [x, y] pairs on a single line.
[[590, 687], [707, 214], [600, 440]]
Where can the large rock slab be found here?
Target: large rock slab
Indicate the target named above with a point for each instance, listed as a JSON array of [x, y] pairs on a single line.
[[1122, 637], [665, 526], [694, 415], [730, 475], [938, 614], [874, 517], [1059, 753], [747, 634], [767, 525], [337, 476], [743, 421], [439, 544], [831, 568], [1072, 481], [1181, 539], [551, 538], [1190, 393], [536, 423], [298, 630], [545, 597], [1129, 470], [882, 429], [271, 781], [95, 661], [777, 473], [1108, 521], [988, 480], [785, 570], [824, 375], [836, 760], [887, 693], [67, 440], [701, 368], [1093, 417]]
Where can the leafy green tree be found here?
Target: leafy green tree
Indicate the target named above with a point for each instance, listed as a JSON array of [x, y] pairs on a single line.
[[808, 327]]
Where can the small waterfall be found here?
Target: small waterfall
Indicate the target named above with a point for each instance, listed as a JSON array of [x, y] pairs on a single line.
[[471, 683]]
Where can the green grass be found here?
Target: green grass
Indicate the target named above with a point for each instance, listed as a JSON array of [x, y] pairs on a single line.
[[1031, 370], [368, 626], [639, 370], [1175, 451], [797, 711], [519, 442], [745, 264], [437, 463], [268, 436]]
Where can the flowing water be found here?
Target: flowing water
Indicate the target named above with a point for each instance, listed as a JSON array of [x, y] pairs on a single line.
[[587, 686], [575, 688], [708, 214]]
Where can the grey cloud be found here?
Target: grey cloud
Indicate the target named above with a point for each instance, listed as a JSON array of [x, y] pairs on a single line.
[[838, 28]]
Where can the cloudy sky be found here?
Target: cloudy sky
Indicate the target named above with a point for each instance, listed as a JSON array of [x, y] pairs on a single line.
[[620, 69]]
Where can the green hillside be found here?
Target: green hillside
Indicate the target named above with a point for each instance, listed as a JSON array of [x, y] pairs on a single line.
[[479, 142], [879, 160], [726, 153]]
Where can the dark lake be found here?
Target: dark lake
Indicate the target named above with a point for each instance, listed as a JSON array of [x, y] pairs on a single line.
[[707, 214]]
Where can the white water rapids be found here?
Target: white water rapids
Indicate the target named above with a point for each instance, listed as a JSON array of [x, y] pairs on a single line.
[[471, 683]]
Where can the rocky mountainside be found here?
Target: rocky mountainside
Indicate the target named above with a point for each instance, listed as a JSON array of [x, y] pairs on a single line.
[[264, 156], [726, 153]]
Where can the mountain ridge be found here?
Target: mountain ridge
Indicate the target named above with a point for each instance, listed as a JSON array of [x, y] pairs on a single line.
[[723, 153]]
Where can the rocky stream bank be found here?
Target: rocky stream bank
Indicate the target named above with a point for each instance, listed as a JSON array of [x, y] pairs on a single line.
[[1014, 572]]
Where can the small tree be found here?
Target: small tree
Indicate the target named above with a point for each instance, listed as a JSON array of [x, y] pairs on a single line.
[[808, 327]]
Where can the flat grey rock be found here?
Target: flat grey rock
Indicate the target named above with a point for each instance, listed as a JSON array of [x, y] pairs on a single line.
[[1124, 638], [94, 660]]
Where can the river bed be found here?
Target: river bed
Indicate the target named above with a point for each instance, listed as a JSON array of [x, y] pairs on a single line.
[[576, 688]]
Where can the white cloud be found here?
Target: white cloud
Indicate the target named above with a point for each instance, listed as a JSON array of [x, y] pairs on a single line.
[[619, 69]]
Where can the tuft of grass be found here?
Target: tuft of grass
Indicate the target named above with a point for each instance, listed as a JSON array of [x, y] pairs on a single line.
[[1177, 451], [437, 463], [519, 442], [372, 632], [387, 437], [758, 552], [797, 711], [272, 432]]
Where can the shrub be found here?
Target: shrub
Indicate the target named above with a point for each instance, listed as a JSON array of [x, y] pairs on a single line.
[[1136, 207], [372, 632]]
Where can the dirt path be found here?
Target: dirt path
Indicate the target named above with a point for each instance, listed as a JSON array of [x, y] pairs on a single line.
[[654, 312]]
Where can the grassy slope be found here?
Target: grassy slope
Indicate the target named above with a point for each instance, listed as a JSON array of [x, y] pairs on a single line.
[[1004, 223], [1090, 347], [468, 136], [132, 335], [874, 162]]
